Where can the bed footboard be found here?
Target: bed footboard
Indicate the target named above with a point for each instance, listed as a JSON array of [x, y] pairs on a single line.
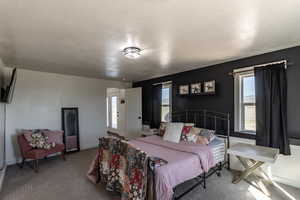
[[121, 168]]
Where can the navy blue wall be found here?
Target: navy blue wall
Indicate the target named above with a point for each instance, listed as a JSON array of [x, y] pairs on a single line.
[[223, 101]]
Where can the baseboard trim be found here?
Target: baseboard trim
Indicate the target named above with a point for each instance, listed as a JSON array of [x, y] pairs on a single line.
[[18, 160], [278, 179], [2, 175], [286, 181], [12, 162]]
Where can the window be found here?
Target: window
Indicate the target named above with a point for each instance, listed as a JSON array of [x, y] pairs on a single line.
[[114, 112], [166, 102], [107, 112], [245, 116]]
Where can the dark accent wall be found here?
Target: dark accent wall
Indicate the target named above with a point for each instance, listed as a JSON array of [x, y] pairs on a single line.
[[223, 101]]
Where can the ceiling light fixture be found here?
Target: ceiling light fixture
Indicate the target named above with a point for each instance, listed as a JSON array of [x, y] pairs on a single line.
[[132, 52]]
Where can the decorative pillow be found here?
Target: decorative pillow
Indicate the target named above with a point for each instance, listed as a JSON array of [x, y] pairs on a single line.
[[202, 140], [28, 132], [185, 133], [54, 136], [39, 141], [162, 128], [173, 132], [208, 134], [197, 135], [190, 134], [189, 124], [196, 130]]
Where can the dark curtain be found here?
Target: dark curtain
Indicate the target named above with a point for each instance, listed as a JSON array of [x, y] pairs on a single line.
[[271, 107], [156, 106]]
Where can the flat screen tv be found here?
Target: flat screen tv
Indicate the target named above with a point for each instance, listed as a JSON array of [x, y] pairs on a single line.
[[7, 91], [2, 81]]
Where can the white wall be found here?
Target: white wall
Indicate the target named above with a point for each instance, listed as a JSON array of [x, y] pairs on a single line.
[[38, 100], [2, 138], [285, 170]]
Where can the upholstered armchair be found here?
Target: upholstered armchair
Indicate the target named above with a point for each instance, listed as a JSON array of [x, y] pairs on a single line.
[[55, 138]]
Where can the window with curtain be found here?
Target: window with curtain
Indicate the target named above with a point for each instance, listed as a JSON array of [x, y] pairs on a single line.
[[166, 108], [245, 107]]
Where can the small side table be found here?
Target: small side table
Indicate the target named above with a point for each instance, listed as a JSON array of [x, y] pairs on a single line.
[[252, 158]]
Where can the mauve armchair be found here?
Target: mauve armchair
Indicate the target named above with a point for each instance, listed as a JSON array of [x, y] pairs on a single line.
[[29, 153]]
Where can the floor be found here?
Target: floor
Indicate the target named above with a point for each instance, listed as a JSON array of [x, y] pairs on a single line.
[[61, 180]]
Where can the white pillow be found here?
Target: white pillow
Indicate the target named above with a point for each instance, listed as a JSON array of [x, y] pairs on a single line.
[[189, 124], [173, 132]]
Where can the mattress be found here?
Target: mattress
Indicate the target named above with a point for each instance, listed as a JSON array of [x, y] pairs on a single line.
[[218, 147]]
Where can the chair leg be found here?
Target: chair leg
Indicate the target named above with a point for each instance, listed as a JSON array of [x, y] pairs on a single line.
[[22, 163], [219, 169], [36, 165], [204, 180], [63, 155]]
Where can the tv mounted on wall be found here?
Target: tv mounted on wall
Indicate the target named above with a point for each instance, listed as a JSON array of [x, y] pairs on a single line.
[[11, 87], [8, 79]]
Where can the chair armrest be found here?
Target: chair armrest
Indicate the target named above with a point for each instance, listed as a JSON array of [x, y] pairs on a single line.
[[23, 144]]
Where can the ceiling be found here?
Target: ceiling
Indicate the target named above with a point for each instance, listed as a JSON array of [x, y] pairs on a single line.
[[86, 37]]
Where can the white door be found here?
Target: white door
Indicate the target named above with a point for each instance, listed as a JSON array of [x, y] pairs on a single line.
[[133, 103], [112, 115]]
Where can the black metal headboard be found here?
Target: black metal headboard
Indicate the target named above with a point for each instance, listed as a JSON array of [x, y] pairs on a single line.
[[218, 121]]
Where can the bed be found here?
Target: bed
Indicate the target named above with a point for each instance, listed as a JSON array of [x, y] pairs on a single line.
[[150, 165], [185, 161], [218, 147]]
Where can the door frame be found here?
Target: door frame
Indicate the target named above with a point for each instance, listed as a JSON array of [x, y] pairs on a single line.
[[109, 95]]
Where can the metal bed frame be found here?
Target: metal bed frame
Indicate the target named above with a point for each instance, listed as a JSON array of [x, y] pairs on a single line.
[[220, 122]]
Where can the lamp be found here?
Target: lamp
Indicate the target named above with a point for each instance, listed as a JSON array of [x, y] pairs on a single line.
[[132, 52]]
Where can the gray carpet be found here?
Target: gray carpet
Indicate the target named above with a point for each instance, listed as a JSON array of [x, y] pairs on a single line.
[[61, 180]]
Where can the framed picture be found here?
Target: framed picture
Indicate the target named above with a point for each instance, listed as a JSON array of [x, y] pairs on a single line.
[[210, 86], [183, 89], [196, 88]]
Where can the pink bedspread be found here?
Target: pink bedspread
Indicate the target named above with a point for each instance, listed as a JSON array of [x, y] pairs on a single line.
[[185, 161]]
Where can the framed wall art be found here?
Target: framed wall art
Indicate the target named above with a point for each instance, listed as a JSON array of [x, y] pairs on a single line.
[[210, 86], [196, 88], [184, 89]]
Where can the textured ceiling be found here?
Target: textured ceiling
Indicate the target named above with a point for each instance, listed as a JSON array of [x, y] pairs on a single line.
[[85, 37]]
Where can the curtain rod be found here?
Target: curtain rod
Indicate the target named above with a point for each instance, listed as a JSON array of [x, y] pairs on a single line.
[[161, 83], [250, 68]]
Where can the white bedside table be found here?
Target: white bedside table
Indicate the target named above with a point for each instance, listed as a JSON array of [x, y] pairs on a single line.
[[252, 158]]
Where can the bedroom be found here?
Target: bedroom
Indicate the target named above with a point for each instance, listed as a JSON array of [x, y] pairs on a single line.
[[71, 55]]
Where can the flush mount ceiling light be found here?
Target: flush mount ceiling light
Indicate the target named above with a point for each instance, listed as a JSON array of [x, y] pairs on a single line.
[[132, 52]]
